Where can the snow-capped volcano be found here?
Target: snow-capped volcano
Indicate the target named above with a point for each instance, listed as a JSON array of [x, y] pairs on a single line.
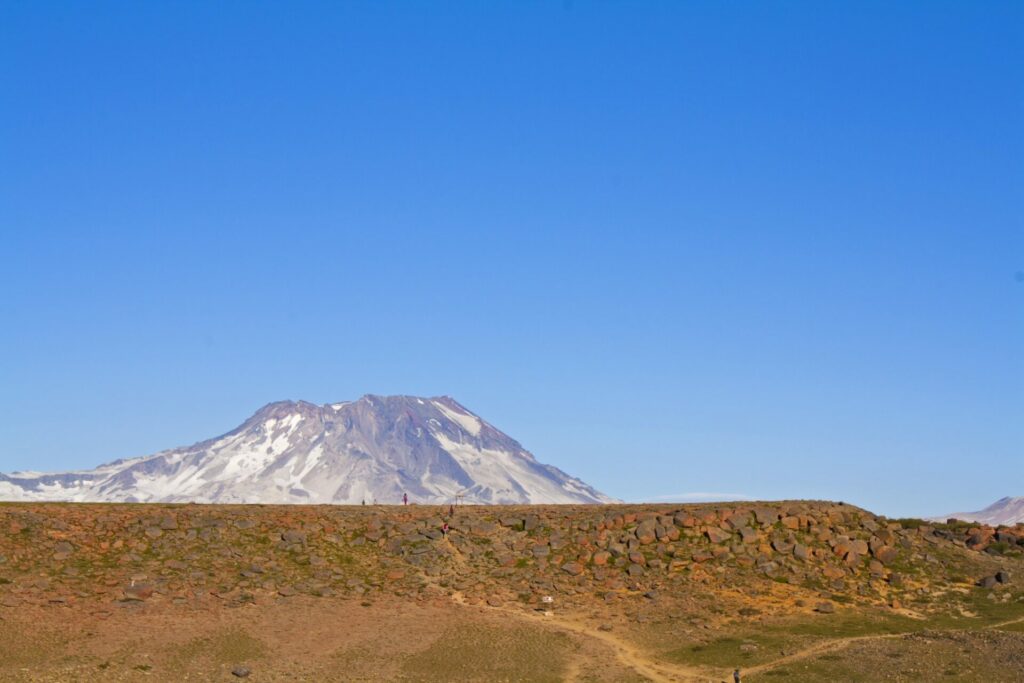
[[372, 450], [1008, 511]]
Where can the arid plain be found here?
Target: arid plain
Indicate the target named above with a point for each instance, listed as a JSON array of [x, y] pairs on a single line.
[[784, 591]]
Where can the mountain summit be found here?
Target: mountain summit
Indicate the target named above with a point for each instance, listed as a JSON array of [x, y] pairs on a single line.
[[372, 450]]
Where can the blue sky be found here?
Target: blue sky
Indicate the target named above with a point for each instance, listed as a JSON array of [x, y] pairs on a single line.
[[770, 249]]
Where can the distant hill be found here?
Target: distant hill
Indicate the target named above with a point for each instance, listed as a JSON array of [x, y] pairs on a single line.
[[375, 449], [1008, 511]]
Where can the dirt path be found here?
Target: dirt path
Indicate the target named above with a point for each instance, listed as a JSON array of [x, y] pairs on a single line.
[[455, 553], [1005, 623], [624, 652], [658, 672], [572, 671], [836, 644], [630, 655], [819, 648]]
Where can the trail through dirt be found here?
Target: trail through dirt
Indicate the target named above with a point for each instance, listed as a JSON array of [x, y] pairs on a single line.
[[819, 648], [1005, 623], [836, 644], [660, 672], [630, 655], [625, 652]]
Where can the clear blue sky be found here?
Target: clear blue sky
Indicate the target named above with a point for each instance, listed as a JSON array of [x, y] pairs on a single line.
[[773, 248]]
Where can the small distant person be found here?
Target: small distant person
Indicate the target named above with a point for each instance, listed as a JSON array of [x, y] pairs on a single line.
[[364, 501], [736, 676], [451, 510], [405, 499]]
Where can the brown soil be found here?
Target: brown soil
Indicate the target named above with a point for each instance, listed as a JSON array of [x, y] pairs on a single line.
[[660, 593]]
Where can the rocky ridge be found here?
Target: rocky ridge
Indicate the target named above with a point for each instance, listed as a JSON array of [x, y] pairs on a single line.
[[107, 557]]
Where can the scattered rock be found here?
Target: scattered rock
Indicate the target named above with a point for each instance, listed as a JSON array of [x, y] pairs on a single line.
[[833, 573], [138, 592], [791, 522], [292, 537], [716, 535], [646, 534], [765, 516], [886, 554], [572, 568]]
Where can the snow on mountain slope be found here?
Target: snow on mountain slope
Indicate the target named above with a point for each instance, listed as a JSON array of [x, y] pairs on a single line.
[[1008, 511], [373, 449]]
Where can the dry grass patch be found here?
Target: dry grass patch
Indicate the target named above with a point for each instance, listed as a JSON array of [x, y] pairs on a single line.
[[492, 653]]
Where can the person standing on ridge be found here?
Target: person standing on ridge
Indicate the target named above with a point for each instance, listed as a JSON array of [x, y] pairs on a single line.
[[405, 499]]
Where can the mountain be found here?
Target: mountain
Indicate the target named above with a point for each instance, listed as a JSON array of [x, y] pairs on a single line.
[[374, 449], [1008, 511]]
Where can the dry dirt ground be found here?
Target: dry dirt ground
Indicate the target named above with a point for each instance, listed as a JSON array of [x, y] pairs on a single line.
[[171, 593], [391, 639]]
